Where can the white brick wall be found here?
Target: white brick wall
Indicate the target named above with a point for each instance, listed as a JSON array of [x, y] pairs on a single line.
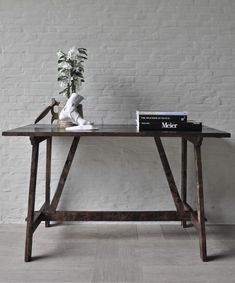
[[152, 54]]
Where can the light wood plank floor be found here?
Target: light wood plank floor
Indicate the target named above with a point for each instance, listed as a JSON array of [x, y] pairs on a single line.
[[117, 253]]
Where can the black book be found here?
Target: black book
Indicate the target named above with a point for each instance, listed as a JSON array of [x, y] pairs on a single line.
[[169, 126]]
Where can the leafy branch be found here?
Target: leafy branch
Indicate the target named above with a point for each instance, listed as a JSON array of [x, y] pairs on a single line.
[[70, 70]]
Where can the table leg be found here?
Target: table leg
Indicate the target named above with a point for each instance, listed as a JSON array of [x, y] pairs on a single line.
[[200, 203], [170, 178], [48, 177], [64, 174], [31, 199], [184, 175]]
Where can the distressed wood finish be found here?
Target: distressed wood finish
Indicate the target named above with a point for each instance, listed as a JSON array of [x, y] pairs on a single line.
[[184, 175], [111, 131], [64, 174], [31, 199], [200, 203], [47, 213], [48, 177], [117, 216], [170, 178], [39, 217]]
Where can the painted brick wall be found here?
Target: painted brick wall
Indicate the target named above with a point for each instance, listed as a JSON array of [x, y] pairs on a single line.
[[152, 54]]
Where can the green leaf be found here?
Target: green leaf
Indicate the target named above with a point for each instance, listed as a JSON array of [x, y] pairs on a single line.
[[63, 91], [62, 78], [79, 74], [82, 57], [82, 51], [61, 60]]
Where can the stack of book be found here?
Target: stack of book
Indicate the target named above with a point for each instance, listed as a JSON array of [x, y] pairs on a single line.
[[169, 121]]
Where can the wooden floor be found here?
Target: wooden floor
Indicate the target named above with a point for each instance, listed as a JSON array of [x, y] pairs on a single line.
[[117, 253]]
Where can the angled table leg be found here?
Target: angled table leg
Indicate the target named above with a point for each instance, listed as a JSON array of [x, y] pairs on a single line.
[[170, 178], [200, 202], [31, 199], [184, 175], [64, 174], [48, 177]]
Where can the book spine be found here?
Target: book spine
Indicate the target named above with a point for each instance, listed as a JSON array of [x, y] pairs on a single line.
[[157, 118], [170, 126], [160, 113]]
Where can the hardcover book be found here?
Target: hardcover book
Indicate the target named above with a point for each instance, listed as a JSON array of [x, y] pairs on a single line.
[[169, 126], [160, 113], [156, 118], [161, 116]]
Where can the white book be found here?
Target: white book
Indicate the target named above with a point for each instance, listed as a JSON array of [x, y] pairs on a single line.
[[159, 113]]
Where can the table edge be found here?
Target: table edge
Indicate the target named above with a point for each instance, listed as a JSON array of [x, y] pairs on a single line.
[[219, 134]]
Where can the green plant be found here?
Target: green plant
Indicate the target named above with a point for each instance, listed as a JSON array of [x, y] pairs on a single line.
[[70, 70]]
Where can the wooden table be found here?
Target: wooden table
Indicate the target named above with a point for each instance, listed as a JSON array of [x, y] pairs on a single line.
[[48, 212]]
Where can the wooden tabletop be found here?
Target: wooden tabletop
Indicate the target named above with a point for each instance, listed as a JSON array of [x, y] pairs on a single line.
[[42, 130]]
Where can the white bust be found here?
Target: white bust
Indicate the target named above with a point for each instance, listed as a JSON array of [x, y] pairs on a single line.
[[70, 113]]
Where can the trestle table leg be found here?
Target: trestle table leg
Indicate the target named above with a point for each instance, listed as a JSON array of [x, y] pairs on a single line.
[[170, 178], [48, 177], [31, 199], [184, 175], [64, 174], [200, 203]]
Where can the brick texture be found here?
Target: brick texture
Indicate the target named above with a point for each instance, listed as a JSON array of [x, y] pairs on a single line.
[[152, 54]]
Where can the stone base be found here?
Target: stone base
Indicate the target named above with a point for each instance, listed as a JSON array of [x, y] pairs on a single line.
[[64, 124], [82, 128]]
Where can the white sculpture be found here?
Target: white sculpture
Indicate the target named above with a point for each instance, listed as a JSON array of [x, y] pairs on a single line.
[[70, 114]]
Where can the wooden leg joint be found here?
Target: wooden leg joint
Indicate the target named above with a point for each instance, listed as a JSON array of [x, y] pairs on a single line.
[[197, 141]]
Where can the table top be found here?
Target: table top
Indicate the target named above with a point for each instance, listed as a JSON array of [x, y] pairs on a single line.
[[43, 130]]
